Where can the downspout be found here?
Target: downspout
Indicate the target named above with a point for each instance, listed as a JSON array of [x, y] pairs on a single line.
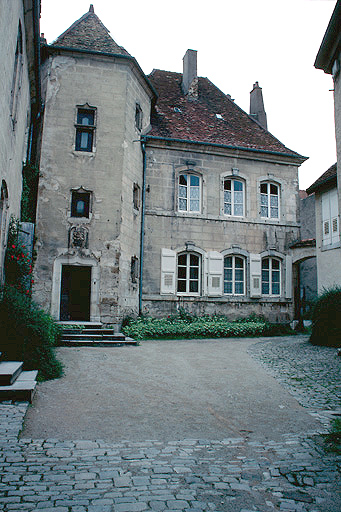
[[143, 147]]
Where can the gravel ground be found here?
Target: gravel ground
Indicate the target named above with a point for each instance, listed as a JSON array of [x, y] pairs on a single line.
[[310, 373]]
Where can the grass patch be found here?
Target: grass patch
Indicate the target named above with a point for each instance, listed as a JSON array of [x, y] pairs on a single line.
[[177, 327], [333, 438], [28, 334]]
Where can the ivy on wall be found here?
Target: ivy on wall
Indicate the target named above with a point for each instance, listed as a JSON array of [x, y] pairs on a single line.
[[30, 175]]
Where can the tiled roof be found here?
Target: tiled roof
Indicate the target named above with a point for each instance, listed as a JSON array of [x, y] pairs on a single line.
[[89, 33], [327, 177], [212, 118]]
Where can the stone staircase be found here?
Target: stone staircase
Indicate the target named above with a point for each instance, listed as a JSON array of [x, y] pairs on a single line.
[[90, 334], [15, 384]]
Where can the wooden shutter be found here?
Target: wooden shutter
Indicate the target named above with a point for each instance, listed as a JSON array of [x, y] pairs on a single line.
[[326, 227], [255, 275], [334, 214], [215, 262], [288, 277], [168, 271]]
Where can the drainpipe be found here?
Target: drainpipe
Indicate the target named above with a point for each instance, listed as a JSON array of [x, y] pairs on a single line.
[[143, 147]]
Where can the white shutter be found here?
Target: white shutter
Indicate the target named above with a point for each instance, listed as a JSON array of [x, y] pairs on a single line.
[[326, 227], [288, 277], [168, 271], [215, 273], [334, 217], [205, 282], [255, 275]]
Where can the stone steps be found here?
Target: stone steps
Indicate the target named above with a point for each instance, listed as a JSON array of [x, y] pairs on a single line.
[[92, 335], [16, 384]]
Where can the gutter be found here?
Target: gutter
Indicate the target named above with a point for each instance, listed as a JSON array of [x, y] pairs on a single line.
[[226, 146], [143, 147]]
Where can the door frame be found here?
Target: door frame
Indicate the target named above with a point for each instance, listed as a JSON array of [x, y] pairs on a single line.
[[94, 284]]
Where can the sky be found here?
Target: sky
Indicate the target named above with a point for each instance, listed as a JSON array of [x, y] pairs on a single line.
[[239, 42]]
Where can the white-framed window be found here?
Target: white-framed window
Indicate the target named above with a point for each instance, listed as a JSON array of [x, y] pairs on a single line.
[[234, 197], [189, 192], [271, 276], [269, 200], [330, 217], [188, 273], [234, 275]]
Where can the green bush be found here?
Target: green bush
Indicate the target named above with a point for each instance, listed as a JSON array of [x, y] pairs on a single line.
[[28, 334], [199, 327], [326, 319], [333, 438]]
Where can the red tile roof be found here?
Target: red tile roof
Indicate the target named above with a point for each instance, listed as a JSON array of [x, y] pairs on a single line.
[[89, 33], [327, 178], [212, 118]]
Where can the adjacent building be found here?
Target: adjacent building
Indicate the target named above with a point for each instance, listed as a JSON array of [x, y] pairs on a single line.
[[20, 101], [157, 192], [327, 188]]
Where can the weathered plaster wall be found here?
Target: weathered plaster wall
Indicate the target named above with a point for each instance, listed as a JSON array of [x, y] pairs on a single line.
[[211, 230], [13, 136], [108, 172]]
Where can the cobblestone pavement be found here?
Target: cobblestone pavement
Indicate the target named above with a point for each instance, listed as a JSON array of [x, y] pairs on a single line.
[[233, 474]]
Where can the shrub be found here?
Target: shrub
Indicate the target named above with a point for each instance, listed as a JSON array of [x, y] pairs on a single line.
[[333, 438], [326, 319], [196, 327], [18, 261], [28, 334]]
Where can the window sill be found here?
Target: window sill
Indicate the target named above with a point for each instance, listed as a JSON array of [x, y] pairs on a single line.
[[89, 154], [79, 220]]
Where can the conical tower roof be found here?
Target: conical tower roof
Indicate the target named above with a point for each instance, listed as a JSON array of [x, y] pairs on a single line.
[[89, 33]]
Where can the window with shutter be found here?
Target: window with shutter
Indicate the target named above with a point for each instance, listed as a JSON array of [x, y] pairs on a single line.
[[255, 275], [168, 271]]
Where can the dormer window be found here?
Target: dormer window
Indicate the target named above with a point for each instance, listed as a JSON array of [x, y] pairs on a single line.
[[85, 128]]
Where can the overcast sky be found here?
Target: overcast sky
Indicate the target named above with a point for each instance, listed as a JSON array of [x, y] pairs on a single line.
[[274, 42]]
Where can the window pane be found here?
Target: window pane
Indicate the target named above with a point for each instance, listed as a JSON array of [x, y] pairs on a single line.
[[273, 200], [265, 263], [265, 276], [274, 213], [228, 262], [263, 200], [227, 287], [264, 188], [80, 207], [275, 289], [273, 189], [193, 286], [183, 204], [194, 192], [182, 258], [182, 272], [194, 205], [227, 196], [275, 264], [239, 263], [85, 117], [182, 191], [229, 274], [227, 185], [238, 185], [227, 209], [194, 273], [238, 197], [84, 140], [238, 210], [264, 211], [265, 288], [239, 288], [275, 276], [181, 286], [239, 275], [183, 179], [194, 181], [194, 260]]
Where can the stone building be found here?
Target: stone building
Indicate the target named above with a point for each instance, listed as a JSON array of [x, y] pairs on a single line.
[[327, 187], [157, 192], [20, 104]]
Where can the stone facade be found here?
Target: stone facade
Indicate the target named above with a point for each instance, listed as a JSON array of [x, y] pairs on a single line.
[[18, 100], [116, 235]]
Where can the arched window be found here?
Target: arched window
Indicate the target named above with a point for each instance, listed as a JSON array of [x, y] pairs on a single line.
[[189, 192], [234, 275], [234, 197], [188, 273], [269, 200], [271, 276]]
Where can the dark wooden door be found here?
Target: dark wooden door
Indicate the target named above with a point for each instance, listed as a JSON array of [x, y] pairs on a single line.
[[75, 293]]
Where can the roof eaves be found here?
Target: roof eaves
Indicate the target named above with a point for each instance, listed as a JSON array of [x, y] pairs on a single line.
[[331, 42], [54, 48], [319, 185], [298, 157]]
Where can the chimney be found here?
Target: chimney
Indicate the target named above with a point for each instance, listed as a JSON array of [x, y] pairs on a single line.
[[257, 110], [189, 77], [91, 8]]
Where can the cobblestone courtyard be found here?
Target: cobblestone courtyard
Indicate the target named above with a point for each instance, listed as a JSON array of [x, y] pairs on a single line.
[[289, 472]]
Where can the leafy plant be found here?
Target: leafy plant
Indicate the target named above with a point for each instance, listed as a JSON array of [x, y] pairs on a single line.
[[30, 175], [28, 334], [199, 327], [18, 261], [326, 319]]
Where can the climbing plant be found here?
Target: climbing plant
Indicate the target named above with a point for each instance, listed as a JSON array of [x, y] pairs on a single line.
[[30, 175]]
